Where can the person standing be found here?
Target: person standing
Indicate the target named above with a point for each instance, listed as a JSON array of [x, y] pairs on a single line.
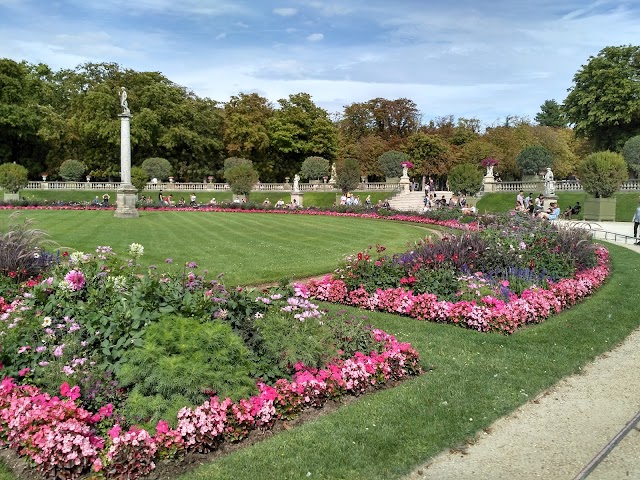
[[520, 200], [192, 200], [160, 198], [636, 222]]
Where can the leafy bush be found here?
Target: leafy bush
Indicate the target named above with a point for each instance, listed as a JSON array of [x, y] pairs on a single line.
[[533, 159], [241, 178], [183, 361], [602, 173], [390, 163], [348, 174], [139, 178], [155, 167], [314, 168], [465, 178], [72, 170], [13, 177], [631, 154]]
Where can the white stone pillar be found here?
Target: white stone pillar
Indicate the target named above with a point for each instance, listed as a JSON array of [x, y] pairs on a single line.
[[125, 148]]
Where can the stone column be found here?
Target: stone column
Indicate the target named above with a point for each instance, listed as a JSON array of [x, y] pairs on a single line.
[[127, 194]]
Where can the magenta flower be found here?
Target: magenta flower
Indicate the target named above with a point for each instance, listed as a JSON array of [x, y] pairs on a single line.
[[76, 279]]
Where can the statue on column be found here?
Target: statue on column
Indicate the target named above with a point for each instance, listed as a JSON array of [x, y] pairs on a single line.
[[296, 181], [123, 101]]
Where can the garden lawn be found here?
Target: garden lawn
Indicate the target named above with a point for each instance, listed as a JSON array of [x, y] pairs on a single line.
[[475, 379], [249, 248]]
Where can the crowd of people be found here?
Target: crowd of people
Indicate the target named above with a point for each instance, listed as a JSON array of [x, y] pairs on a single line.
[[432, 202], [535, 206]]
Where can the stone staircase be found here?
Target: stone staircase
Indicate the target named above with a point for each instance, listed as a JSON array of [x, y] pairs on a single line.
[[413, 201]]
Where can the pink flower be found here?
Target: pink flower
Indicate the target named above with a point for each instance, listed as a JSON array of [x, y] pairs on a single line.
[[76, 279]]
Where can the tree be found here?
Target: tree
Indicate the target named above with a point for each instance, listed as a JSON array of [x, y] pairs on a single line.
[[348, 174], [604, 101], [602, 173], [155, 167], [72, 170], [382, 117], [366, 150], [533, 159], [241, 178], [390, 163], [551, 115], [631, 153], [139, 178], [430, 154], [300, 129], [465, 178], [315, 167], [13, 177]]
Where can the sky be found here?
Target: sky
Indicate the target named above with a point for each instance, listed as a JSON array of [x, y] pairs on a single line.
[[484, 59]]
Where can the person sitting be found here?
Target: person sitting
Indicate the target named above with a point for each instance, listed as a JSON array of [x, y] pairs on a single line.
[[537, 205], [192, 200], [213, 201], [280, 203], [570, 211], [552, 214], [181, 202], [266, 202]]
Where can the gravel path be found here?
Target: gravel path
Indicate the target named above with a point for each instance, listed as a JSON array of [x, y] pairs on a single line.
[[556, 435]]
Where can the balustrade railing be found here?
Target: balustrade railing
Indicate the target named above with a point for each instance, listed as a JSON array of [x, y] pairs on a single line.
[[209, 187]]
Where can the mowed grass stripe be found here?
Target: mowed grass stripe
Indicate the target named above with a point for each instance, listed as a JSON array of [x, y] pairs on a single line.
[[249, 248]]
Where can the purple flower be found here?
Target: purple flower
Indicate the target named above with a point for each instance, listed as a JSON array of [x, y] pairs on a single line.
[[192, 265], [169, 260], [76, 279]]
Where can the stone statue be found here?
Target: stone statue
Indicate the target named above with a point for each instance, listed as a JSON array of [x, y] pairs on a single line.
[[549, 184], [405, 171], [123, 101], [489, 171], [296, 181]]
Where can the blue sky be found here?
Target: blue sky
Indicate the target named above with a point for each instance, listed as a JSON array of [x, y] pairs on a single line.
[[482, 59]]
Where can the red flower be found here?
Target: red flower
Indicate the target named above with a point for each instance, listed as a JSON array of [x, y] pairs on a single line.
[[440, 257]]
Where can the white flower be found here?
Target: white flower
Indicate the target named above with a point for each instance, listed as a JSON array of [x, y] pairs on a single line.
[[136, 250], [46, 322], [76, 257], [66, 286]]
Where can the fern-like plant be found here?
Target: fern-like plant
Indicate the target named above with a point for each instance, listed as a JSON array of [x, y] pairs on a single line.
[[183, 361]]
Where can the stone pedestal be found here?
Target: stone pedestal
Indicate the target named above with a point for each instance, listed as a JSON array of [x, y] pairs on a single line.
[[11, 197], [405, 184], [126, 198], [297, 198], [489, 183], [127, 193], [547, 200]]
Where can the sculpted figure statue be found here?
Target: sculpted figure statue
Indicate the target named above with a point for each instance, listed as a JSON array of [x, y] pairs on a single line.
[[549, 184], [296, 181], [123, 100]]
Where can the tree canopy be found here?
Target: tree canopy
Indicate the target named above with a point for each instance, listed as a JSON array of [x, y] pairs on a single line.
[[604, 101], [551, 115]]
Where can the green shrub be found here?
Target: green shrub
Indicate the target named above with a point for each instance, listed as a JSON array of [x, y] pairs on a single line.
[[13, 177], [314, 168], [602, 173], [465, 178], [533, 159], [348, 174], [631, 153], [390, 163], [241, 177], [139, 178], [72, 170], [155, 167], [183, 361]]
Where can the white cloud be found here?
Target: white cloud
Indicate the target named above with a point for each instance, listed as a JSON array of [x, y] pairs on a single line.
[[315, 37], [221, 36], [285, 12]]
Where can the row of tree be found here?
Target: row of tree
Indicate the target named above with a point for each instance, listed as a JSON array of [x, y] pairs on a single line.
[[47, 117]]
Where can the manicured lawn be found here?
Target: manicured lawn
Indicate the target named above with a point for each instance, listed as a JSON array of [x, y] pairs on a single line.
[[249, 248], [475, 379]]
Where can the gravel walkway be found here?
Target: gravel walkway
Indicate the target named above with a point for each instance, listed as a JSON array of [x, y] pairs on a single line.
[[556, 435]]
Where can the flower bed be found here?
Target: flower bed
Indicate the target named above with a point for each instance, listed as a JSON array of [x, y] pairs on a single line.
[[64, 440], [488, 314]]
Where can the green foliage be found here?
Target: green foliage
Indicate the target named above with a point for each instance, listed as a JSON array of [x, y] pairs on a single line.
[[603, 101], [155, 167], [241, 178], [231, 162], [390, 163], [139, 178], [314, 168], [465, 178], [602, 173], [182, 361], [631, 153], [72, 170], [348, 174], [442, 282], [288, 341], [430, 154], [13, 177], [533, 159], [551, 115]]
